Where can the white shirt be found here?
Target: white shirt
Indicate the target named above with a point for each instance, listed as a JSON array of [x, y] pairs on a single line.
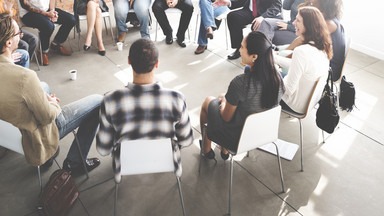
[[308, 64], [41, 4]]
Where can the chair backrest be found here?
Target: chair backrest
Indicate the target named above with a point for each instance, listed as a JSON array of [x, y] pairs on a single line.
[[146, 156], [259, 129], [10, 137]]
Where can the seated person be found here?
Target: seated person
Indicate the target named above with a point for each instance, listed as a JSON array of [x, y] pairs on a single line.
[[143, 110], [28, 105], [278, 31], [28, 41], [310, 61], [250, 13], [141, 8], [93, 10], [331, 10], [43, 15], [257, 90], [207, 23], [186, 6]]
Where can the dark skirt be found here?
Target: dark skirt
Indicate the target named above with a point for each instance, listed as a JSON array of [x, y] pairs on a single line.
[[225, 134], [81, 7]]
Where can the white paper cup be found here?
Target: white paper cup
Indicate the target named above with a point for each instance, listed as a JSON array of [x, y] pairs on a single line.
[[73, 74], [120, 46]]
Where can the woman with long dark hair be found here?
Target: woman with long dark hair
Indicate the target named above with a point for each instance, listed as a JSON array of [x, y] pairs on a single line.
[[257, 90], [310, 60]]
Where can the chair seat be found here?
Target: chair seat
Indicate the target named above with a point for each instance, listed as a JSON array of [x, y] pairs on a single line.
[[294, 114]]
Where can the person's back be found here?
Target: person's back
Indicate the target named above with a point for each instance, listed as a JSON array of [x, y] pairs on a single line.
[[143, 110]]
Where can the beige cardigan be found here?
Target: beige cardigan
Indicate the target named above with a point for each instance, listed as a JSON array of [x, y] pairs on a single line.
[[24, 104]]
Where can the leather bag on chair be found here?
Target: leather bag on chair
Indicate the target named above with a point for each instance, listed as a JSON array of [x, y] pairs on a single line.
[[59, 194], [327, 116]]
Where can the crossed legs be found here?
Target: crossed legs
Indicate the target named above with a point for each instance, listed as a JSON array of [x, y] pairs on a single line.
[[94, 21]]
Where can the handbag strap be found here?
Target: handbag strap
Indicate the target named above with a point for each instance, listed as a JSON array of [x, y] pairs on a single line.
[[330, 78]]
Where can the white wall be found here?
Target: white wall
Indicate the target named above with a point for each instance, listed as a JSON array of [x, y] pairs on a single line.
[[364, 23]]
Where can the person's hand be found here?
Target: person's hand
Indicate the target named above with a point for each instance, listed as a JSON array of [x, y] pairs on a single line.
[[16, 57], [8, 4], [96, 1], [218, 3], [172, 3], [257, 22], [282, 25], [52, 98]]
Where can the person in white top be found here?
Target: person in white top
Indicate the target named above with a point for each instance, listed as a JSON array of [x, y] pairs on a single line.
[[310, 60]]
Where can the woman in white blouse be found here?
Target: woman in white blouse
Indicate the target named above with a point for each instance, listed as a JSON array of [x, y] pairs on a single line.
[[309, 62]]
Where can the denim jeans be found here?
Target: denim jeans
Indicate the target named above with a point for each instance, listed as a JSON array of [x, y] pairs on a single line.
[[46, 27], [24, 59], [186, 6], [82, 114], [208, 14], [141, 8], [28, 42]]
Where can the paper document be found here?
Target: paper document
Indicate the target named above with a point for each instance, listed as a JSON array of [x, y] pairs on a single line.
[[287, 150]]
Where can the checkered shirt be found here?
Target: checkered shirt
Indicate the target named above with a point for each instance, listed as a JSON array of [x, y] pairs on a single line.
[[143, 112]]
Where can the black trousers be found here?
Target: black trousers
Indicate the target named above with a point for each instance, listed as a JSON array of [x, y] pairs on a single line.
[[237, 20], [186, 6]]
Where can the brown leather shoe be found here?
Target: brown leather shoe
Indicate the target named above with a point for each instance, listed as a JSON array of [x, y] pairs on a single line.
[[61, 49], [209, 32], [200, 49], [45, 60], [121, 37]]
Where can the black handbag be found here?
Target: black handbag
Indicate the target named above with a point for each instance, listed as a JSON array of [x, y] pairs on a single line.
[[347, 95], [327, 116]]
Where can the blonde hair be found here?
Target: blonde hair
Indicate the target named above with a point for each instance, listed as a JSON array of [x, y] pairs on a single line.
[[7, 30]]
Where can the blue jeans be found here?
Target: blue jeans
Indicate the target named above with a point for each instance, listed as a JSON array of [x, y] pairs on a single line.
[[24, 59], [82, 114], [208, 14], [141, 8], [46, 27]]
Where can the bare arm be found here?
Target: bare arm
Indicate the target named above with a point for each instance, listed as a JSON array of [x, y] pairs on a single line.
[[29, 7], [227, 110]]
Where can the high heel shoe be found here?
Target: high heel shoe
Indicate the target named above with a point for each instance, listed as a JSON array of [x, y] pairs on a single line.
[[210, 155], [102, 52], [86, 48], [224, 156]]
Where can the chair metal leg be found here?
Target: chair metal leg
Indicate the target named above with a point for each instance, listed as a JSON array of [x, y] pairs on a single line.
[[301, 144], [181, 194], [115, 203], [81, 154], [105, 24], [40, 181], [78, 40], [323, 136], [226, 32], [230, 183], [156, 30], [197, 22], [37, 60], [281, 171], [110, 25]]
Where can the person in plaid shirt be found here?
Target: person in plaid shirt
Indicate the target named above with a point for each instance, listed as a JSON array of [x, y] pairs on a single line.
[[143, 110]]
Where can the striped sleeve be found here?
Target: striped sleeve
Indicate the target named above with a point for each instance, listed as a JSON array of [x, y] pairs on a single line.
[[106, 133]]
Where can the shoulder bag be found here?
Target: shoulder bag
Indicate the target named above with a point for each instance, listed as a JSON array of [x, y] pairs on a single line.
[[327, 116]]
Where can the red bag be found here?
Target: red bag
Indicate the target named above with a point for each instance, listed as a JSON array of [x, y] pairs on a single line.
[[59, 194]]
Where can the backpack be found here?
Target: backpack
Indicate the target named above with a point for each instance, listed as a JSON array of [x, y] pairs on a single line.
[[347, 95]]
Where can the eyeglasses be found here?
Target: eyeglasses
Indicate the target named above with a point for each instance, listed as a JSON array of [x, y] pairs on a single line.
[[18, 33]]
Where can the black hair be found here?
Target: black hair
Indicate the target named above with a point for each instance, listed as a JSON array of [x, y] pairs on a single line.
[[264, 69], [143, 55]]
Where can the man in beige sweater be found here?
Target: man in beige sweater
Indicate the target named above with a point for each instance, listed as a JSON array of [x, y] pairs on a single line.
[[28, 105]]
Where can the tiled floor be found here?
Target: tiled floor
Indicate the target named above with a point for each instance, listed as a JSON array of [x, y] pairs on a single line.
[[342, 177]]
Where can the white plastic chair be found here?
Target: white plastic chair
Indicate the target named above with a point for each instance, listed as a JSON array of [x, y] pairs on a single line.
[[259, 129], [171, 11], [10, 138], [314, 99], [147, 156]]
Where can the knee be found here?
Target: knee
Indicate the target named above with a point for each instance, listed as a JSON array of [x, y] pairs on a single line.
[[156, 8]]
